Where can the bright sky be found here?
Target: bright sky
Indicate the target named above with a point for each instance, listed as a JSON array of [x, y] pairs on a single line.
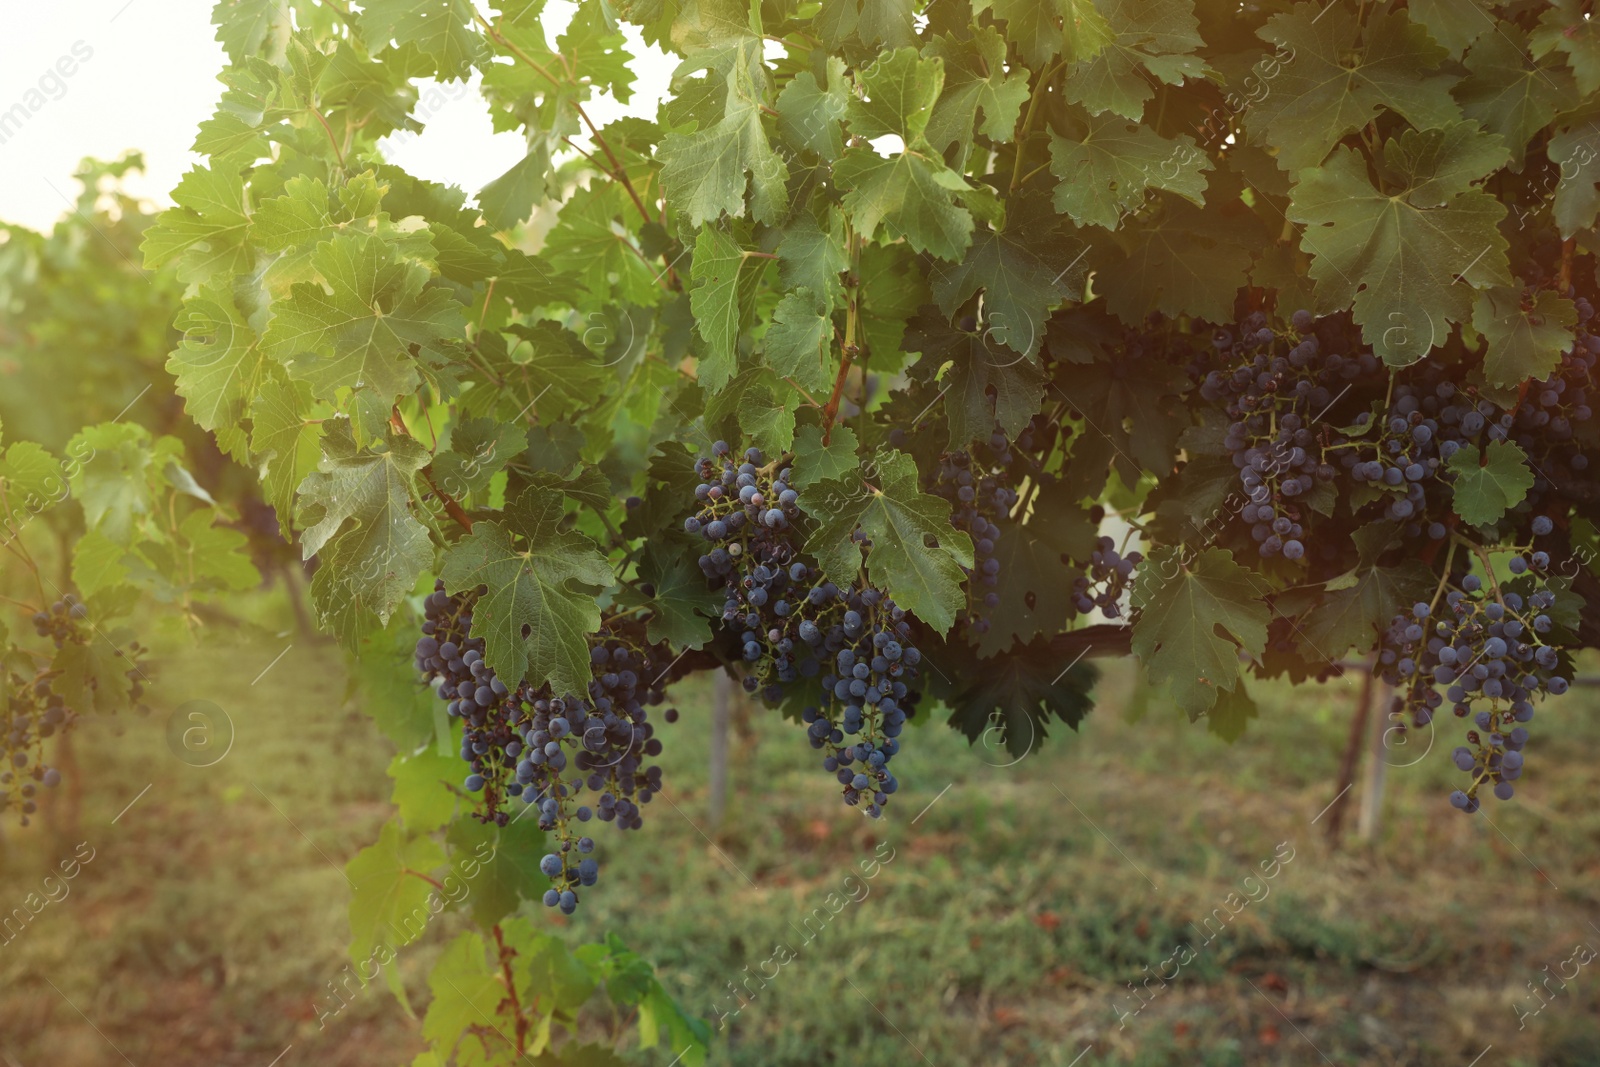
[[149, 79]]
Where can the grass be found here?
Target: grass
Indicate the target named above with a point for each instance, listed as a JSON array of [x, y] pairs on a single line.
[[1010, 913]]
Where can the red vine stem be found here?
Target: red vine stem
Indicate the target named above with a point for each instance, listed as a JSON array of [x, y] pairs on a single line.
[[506, 956], [451, 507]]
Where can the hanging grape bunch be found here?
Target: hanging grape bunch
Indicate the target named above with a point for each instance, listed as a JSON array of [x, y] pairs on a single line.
[[32, 713], [1109, 575], [551, 751], [1553, 409], [1489, 647], [1275, 403], [981, 501], [1427, 423], [865, 696]]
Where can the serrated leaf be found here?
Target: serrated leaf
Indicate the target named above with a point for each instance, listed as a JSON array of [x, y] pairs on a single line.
[[1034, 579], [360, 507], [389, 904], [422, 784], [1107, 169], [205, 231], [93, 677], [809, 113], [218, 366], [811, 255], [1489, 483], [1523, 343], [1511, 93], [500, 864], [1020, 280], [976, 81], [1356, 615], [539, 609], [1455, 24], [363, 334], [442, 30], [1148, 39], [1344, 72], [97, 563], [1008, 702], [704, 172], [1576, 151], [871, 22], [816, 462], [467, 991], [910, 195], [1232, 713], [898, 91], [1409, 261], [286, 443], [1567, 26], [1044, 29], [213, 556], [799, 342], [901, 520], [243, 26], [721, 301], [683, 606], [1185, 262], [1193, 618]]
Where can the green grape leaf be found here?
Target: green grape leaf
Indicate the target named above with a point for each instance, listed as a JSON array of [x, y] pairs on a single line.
[[1489, 483], [1342, 75], [809, 114], [898, 90], [422, 787], [211, 556], [1020, 279], [976, 81], [1568, 26], [34, 482], [299, 217], [889, 23], [1044, 29], [509, 199], [813, 257], [389, 903], [540, 608], [722, 300], [1193, 617], [441, 29], [816, 462], [1034, 579], [1149, 41], [1576, 151], [1232, 713], [367, 333], [499, 864], [916, 557], [205, 232], [1107, 169], [910, 195], [703, 172], [467, 991], [97, 563], [761, 405], [286, 443], [1184, 262], [1356, 615], [1455, 24], [1008, 702], [479, 449], [243, 26], [799, 343], [218, 366], [682, 606], [93, 677], [1408, 261], [361, 505], [1510, 93], [1524, 342]]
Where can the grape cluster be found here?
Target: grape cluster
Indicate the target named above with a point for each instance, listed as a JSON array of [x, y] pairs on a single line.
[[547, 750], [1275, 389], [1489, 649], [981, 500], [1427, 422], [865, 640], [1552, 410], [793, 623], [1107, 578], [32, 713]]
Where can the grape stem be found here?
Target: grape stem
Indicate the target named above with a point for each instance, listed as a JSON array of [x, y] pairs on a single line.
[[1483, 557], [506, 956], [1444, 578]]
